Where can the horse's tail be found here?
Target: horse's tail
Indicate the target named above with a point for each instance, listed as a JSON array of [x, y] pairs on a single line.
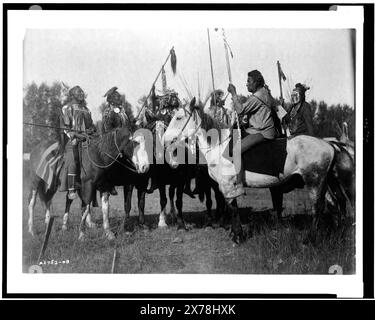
[[340, 177]]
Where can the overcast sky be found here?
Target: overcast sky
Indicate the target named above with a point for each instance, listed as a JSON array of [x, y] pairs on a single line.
[[130, 59]]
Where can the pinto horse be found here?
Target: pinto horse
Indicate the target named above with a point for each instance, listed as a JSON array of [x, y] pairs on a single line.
[[307, 164], [163, 175], [98, 154]]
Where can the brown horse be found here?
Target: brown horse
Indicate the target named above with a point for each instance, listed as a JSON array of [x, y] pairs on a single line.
[[97, 156], [307, 164]]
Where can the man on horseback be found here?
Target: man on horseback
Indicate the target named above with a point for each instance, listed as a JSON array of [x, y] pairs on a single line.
[[76, 117], [114, 116], [299, 119], [257, 116], [165, 104], [216, 109]]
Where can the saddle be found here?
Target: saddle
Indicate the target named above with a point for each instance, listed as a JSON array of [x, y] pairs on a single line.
[[266, 158]]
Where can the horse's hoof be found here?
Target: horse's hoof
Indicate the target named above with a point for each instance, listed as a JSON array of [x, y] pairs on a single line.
[[81, 237], [182, 227], [64, 227], [143, 227], [162, 224], [91, 225], [31, 232], [237, 237], [109, 235]]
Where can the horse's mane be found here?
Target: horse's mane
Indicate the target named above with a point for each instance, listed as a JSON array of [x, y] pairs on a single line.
[[105, 142]]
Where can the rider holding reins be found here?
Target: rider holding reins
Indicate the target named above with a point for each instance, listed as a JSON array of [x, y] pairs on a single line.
[[256, 113], [76, 117]]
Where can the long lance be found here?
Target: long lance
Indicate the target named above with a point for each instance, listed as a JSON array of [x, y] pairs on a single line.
[[157, 77], [226, 47], [212, 69], [52, 127], [280, 85]]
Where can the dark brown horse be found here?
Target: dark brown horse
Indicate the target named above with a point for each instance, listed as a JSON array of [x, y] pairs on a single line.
[[98, 154]]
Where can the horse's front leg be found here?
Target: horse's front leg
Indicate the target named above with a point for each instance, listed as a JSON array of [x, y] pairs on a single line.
[[68, 203], [207, 192], [105, 210], [163, 203], [180, 219], [47, 205], [172, 212], [31, 206], [128, 192], [277, 201], [141, 192], [237, 233], [82, 225]]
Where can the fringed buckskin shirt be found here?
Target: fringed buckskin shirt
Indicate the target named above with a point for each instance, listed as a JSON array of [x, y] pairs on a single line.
[[257, 109], [77, 117], [300, 119], [112, 119]]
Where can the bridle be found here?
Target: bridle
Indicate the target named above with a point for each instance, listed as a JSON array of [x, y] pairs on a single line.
[[179, 137], [119, 155]]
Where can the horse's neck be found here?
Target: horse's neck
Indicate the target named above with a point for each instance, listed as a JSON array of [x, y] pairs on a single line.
[[211, 151], [105, 150]]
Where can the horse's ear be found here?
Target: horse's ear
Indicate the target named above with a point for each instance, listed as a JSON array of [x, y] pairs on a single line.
[[64, 85], [192, 104]]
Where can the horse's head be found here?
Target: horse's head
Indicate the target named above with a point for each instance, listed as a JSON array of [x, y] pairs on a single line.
[[184, 124], [140, 157], [134, 148]]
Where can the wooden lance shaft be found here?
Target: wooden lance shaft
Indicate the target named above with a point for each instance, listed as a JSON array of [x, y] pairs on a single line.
[[227, 58], [156, 79], [46, 237], [280, 85], [212, 69]]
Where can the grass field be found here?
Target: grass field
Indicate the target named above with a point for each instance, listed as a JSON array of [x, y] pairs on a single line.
[[275, 248]]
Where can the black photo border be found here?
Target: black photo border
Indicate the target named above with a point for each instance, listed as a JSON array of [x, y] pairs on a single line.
[[368, 134]]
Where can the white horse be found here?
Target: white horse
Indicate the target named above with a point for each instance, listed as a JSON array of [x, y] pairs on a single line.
[[307, 163]]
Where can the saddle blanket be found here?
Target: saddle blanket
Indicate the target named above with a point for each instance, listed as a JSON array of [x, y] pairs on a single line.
[[265, 158], [48, 163]]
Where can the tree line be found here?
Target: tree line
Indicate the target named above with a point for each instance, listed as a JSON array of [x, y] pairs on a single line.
[[42, 104]]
